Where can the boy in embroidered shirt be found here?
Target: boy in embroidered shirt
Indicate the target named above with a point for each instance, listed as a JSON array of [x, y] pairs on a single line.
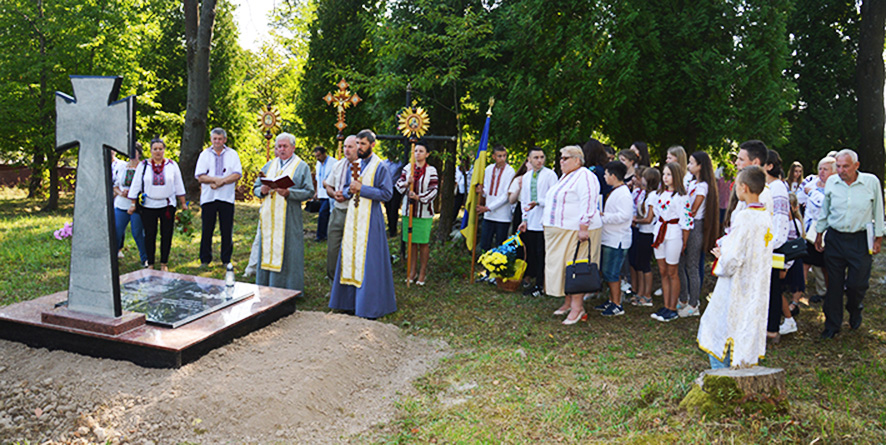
[[732, 330], [616, 235]]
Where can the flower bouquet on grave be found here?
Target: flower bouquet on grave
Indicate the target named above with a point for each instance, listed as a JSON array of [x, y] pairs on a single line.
[[184, 222], [502, 263], [65, 232]]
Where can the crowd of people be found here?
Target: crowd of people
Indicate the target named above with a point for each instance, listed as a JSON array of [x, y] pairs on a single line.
[[614, 210], [618, 212]]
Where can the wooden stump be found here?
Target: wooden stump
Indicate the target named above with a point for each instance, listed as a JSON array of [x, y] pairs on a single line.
[[721, 392]]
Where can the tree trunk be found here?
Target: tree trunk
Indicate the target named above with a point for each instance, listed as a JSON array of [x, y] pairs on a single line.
[[870, 76], [52, 164], [198, 39], [37, 164], [36, 173], [447, 191]]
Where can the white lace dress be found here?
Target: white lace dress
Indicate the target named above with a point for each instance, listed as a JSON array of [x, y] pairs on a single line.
[[738, 308]]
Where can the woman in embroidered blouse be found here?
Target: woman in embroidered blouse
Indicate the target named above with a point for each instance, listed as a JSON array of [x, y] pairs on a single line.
[[571, 217], [703, 200], [421, 204], [123, 176], [161, 181], [672, 224], [795, 177]]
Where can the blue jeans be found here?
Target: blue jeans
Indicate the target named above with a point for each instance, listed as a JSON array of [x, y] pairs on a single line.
[[717, 364], [121, 219], [611, 260]]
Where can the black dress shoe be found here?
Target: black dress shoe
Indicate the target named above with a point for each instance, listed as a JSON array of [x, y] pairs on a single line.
[[828, 333], [816, 298], [855, 320]]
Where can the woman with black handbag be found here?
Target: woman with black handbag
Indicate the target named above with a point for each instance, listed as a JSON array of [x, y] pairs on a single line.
[[572, 228]]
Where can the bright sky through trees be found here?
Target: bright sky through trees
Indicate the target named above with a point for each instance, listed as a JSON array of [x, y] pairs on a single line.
[[252, 20]]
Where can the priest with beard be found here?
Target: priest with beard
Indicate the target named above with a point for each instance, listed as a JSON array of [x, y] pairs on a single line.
[[364, 282]]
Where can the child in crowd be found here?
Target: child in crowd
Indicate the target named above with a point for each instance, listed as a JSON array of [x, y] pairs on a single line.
[[732, 328], [641, 245], [672, 226], [616, 235], [703, 203], [795, 278]]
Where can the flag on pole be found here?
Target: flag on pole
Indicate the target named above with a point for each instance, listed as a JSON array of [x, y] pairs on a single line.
[[469, 221]]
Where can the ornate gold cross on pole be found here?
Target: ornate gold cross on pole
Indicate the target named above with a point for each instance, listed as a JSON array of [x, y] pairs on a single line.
[[341, 100], [414, 123]]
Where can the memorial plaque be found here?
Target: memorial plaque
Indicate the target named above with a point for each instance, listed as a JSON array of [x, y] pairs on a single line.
[[170, 302]]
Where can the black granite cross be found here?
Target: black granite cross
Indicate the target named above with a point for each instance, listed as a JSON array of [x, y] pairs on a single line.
[[97, 123]]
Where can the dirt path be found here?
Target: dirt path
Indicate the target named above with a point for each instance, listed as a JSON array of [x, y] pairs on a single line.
[[310, 377]]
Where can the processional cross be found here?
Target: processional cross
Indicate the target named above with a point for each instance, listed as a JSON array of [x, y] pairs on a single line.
[[97, 123], [414, 123], [341, 100]]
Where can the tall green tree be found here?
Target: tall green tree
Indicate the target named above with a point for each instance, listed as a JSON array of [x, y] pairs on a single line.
[[440, 49], [870, 76], [199, 22], [700, 74], [339, 46], [544, 82], [41, 44], [824, 43]]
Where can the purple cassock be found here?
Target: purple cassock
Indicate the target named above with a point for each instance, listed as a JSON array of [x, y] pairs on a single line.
[[375, 298]]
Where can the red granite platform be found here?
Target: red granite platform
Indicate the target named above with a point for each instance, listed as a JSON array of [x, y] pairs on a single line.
[[146, 344]]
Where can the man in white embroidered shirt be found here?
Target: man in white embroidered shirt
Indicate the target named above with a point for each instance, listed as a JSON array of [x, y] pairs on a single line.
[[536, 183], [218, 170], [498, 212]]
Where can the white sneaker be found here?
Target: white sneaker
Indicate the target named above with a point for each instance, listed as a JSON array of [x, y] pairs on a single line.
[[788, 326], [658, 292], [119, 254], [625, 286], [688, 311]]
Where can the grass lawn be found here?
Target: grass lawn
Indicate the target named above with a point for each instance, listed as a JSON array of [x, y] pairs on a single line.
[[517, 374]]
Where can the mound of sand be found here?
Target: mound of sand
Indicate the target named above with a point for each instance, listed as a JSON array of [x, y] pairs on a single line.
[[310, 377]]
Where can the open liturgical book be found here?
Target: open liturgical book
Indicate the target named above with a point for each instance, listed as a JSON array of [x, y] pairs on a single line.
[[280, 182]]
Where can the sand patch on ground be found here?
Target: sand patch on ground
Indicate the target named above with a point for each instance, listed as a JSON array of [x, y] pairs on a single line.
[[310, 377]]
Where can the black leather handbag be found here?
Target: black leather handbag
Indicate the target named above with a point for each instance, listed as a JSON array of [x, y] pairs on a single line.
[[582, 276], [795, 248]]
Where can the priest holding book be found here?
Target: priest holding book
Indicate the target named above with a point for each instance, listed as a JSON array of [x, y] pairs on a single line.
[[282, 185]]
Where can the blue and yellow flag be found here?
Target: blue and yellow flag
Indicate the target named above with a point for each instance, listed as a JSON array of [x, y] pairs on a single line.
[[469, 221]]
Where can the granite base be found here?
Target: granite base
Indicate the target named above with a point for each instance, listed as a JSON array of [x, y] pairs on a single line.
[[147, 345]]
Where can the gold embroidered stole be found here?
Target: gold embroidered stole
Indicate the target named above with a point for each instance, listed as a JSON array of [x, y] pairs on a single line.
[[356, 233], [273, 219]]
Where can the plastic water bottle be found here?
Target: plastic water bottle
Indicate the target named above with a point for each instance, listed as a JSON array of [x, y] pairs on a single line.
[[229, 281]]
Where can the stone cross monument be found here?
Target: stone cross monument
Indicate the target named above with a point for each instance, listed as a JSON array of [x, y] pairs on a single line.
[[98, 123]]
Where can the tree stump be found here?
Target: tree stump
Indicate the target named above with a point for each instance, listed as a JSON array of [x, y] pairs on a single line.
[[717, 393]]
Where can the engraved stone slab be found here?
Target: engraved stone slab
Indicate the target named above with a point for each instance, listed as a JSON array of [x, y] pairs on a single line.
[[94, 121], [171, 302]]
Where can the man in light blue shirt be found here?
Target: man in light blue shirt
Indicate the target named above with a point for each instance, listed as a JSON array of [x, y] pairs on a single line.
[[852, 214], [321, 171]]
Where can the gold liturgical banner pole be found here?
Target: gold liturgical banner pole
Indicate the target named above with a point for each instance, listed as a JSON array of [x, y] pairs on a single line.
[[414, 123]]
